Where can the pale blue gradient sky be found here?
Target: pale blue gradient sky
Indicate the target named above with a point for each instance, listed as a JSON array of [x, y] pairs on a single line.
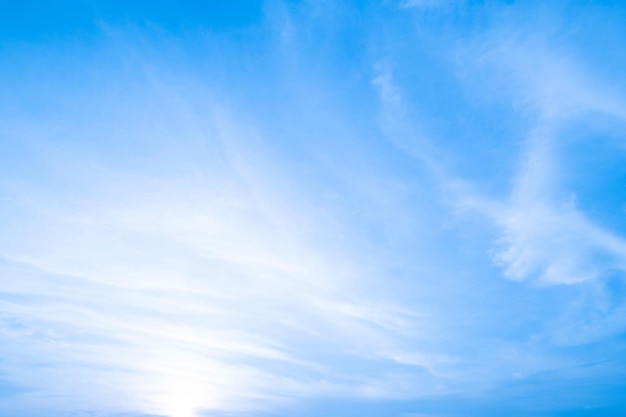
[[274, 208]]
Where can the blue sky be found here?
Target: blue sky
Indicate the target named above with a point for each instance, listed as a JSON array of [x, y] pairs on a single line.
[[395, 208]]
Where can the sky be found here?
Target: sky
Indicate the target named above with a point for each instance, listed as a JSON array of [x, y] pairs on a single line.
[[392, 208]]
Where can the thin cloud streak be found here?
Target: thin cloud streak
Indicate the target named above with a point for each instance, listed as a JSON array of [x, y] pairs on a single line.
[[363, 203], [181, 289]]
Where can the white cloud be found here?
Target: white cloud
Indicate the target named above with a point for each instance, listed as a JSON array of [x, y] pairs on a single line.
[[556, 245], [194, 287], [545, 235], [402, 131]]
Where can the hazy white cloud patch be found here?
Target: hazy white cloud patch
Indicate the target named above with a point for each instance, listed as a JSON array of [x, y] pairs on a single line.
[[199, 277], [399, 126], [545, 235], [557, 245]]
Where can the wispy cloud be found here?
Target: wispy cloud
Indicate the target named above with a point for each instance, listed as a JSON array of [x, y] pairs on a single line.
[[320, 205], [194, 278], [545, 234]]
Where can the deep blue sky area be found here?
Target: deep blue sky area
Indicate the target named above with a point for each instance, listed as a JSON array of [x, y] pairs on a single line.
[[41, 21], [394, 208]]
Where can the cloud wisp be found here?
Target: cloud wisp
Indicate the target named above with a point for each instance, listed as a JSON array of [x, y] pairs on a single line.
[[407, 207]]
